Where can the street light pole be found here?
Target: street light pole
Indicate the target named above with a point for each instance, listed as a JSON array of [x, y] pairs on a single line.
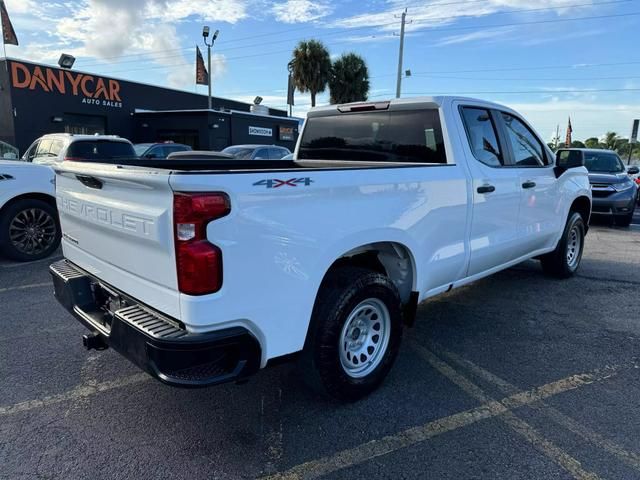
[[205, 35]]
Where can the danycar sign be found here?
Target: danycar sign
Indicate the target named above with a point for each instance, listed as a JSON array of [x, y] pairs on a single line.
[[93, 90]]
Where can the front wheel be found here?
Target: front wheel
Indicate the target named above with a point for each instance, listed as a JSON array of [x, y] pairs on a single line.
[[355, 335], [564, 261]]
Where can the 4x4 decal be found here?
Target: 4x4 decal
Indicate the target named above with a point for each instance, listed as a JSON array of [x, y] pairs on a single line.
[[277, 183]]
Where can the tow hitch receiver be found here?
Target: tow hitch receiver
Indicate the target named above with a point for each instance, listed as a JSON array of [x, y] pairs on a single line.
[[94, 341]]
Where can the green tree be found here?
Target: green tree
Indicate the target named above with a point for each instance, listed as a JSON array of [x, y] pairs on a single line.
[[592, 142], [610, 140], [311, 67], [577, 144], [349, 79]]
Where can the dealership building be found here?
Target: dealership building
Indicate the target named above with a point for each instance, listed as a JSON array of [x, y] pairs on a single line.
[[37, 99]]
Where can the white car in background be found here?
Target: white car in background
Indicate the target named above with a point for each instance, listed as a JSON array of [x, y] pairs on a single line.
[[54, 148], [29, 226]]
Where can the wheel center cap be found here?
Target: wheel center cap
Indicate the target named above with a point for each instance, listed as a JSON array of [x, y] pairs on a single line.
[[355, 334]]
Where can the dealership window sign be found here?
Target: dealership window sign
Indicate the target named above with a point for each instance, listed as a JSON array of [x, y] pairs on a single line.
[[93, 90], [286, 134], [261, 131]]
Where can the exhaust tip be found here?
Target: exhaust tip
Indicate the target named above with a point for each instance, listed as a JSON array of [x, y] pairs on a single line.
[[94, 341]]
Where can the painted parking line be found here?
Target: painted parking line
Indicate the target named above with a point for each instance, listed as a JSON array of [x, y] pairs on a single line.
[[81, 391], [632, 459], [514, 422], [25, 287], [415, 435]]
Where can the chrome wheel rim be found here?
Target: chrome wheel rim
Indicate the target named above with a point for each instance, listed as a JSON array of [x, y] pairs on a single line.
[[364, 338], [32, 231], [574, 245]]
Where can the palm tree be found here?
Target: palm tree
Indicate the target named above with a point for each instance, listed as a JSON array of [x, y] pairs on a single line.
[[610, 140], [592, 142], [310, 68], [349, 81]]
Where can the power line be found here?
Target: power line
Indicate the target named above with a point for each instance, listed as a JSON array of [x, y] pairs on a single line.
[[376, 26], [262, 54], [281, 32], [541, 92], [515, 69]]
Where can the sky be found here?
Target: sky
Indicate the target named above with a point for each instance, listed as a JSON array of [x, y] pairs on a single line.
[[548, 59]]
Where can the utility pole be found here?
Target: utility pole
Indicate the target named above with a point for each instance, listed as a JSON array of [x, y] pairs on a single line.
[[401, 53], [557, 139]]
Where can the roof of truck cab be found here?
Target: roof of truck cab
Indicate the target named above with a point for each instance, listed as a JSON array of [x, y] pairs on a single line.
[[431, 102]]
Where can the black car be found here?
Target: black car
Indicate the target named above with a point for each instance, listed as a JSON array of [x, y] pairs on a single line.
[[159, 150], [614, 192]]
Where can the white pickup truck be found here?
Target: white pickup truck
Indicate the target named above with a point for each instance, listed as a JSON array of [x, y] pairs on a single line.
[[205, 270]]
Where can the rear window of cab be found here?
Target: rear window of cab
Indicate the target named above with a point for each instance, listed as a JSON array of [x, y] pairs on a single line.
[[100, 150], [380, 136]]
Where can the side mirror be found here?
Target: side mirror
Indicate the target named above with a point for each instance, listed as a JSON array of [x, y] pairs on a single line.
[[151, 155], [566, 159], [633, 170]]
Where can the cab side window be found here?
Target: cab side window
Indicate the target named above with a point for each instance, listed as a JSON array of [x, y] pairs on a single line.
[[527, 149], [482, 136]]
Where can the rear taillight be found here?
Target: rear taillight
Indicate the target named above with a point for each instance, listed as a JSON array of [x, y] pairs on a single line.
[[198, 262]]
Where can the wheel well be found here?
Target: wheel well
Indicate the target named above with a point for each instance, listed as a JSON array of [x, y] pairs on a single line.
[[582, 205], [29, 196], [388, 258]]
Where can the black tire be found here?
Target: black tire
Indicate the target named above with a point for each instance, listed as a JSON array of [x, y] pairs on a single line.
[[342, 294], [42, 242], [557, 263]]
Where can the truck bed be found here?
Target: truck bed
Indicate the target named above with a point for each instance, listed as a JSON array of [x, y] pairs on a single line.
[[229, 166]]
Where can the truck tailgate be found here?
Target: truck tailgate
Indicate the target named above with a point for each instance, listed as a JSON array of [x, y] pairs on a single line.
[[117, 225]]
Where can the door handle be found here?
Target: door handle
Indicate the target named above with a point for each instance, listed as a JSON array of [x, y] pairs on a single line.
[[89, 181], [486, 189], [528, 184]]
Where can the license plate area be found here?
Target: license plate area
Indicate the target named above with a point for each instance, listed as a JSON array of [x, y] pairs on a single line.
[[106, 303]]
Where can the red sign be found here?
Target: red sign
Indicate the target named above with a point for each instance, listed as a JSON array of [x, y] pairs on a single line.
[[94, 90]]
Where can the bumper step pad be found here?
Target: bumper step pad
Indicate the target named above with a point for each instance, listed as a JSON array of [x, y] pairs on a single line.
[[156, 343]]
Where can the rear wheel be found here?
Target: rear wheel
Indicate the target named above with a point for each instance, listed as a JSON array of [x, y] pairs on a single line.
[[29, 230], [356, 333]]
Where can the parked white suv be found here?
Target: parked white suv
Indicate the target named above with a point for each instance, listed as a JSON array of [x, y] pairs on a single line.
[[29, 228], [54, 148], [204, 271]]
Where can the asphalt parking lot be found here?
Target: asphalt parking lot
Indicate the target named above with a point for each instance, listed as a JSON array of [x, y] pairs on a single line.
[[516, 376]]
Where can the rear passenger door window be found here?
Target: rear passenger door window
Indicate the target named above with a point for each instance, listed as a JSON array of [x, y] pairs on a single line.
[[527, 149], [482, 136]]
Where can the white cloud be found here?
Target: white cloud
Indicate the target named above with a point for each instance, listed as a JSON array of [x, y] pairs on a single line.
[[435, 13], [474, 36], [107, 29], [19, 6], [300, 11], [230, 11]]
